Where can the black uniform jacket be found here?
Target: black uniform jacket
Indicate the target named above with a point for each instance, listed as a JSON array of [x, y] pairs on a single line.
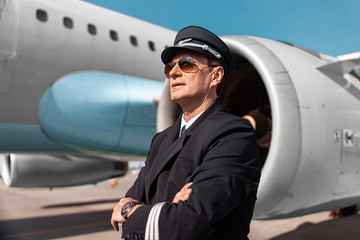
[[218, 153]]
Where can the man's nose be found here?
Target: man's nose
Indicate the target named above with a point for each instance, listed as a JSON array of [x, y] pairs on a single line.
[[175, 71]]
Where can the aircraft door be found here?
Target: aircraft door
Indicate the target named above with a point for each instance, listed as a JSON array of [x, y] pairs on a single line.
[[348, 178], [9, 24]]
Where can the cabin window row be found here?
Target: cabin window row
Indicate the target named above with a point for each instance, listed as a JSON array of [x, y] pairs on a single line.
[[42, 16]]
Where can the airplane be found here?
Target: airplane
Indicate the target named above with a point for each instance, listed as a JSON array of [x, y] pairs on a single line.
[[81, 82]]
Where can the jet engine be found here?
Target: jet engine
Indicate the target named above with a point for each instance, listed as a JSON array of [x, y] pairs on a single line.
[[57, 171], [313, 162]]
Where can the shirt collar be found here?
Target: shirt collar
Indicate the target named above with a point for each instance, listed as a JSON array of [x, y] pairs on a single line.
[[189, 123]]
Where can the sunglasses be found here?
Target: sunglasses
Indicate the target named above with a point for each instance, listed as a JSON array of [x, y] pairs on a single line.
[[186, 64]]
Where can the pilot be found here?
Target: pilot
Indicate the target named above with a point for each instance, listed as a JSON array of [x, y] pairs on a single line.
[[201, 175]]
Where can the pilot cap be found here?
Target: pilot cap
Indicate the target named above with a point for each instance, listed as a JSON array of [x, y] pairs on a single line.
[[203, 41]]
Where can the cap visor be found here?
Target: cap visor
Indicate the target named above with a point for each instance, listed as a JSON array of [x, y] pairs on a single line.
[[168, 54]]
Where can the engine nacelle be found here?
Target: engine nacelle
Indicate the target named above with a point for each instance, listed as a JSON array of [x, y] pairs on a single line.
[[57, 171], [313, 163]]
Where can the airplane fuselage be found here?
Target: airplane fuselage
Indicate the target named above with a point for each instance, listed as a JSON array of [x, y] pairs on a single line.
[[46, 40]]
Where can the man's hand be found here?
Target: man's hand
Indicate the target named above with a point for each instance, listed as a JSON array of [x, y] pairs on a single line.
[[183, 194], [116, 215]]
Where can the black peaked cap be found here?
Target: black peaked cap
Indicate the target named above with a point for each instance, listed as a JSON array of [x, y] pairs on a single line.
[[203, 41]]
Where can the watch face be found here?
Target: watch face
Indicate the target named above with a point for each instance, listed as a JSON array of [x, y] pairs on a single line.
[[126, 208]]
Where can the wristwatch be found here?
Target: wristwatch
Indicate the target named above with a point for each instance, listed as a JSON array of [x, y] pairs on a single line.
[[127, 207]]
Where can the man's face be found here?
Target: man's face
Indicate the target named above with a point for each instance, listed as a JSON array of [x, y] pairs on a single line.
[[192, 87]]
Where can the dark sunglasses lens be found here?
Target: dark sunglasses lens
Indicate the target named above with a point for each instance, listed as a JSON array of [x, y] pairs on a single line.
[[168, 68], [186, 65]]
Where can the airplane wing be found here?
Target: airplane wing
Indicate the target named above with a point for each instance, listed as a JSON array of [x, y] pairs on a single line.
[[345, 72]]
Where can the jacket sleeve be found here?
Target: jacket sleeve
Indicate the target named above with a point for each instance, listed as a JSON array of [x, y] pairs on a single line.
[[229, 172], [136, 229], [137, 190]]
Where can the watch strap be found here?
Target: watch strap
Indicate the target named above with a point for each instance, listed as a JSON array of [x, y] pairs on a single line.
[[127, 208]]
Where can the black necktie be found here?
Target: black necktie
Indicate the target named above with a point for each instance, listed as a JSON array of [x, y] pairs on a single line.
[[183, 129]]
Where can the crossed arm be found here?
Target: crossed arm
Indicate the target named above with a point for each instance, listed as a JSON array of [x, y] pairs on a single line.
[[182, 195], [226, 180]]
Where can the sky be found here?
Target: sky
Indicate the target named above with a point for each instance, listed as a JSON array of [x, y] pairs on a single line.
[[327, 26]]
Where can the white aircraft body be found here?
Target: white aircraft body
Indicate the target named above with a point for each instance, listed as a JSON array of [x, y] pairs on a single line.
[[313, 162]]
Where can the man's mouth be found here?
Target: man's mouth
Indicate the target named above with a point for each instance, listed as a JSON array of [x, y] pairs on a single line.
[[177, 84]]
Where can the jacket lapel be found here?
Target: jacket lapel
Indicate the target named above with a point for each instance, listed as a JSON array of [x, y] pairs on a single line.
[[173, 144], [214, 107], [167, 148]]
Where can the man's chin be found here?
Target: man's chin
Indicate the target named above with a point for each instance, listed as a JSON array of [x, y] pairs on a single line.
[[175, 97], [175, 100]]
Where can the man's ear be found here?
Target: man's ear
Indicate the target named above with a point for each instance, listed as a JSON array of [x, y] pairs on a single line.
[[217, 76]]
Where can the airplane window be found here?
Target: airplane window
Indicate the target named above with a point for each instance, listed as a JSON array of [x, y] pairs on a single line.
[[151, 45], [114, 35], [41, 15], [92, 29], [68, 22], [133, 41]]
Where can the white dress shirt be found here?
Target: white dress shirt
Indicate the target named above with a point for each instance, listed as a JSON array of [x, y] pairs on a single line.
[[189, 123]]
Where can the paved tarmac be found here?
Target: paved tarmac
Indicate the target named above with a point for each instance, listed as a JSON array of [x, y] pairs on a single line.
[[84, 213]]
